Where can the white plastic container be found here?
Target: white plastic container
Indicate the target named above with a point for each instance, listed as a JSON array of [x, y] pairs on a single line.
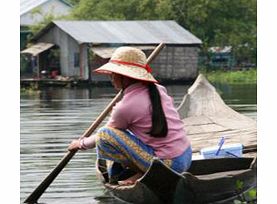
[[229, 150]]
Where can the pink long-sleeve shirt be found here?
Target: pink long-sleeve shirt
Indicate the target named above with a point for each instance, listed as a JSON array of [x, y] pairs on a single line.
[[134, 112]]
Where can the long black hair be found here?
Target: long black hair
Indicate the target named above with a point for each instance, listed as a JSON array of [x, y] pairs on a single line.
[[159, 125]]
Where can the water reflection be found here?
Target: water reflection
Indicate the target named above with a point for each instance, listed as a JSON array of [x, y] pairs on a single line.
[[51, 119], [240, 97]]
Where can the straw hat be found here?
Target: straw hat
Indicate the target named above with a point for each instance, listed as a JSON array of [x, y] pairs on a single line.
[[130, 62]]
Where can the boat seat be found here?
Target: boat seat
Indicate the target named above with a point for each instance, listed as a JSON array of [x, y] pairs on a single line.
[[221, 174]]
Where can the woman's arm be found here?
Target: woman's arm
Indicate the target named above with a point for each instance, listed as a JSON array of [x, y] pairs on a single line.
[[83, 143]]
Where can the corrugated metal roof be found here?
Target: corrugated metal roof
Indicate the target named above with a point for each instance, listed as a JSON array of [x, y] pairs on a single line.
[[135, 32], [28, 5], [37, 48]]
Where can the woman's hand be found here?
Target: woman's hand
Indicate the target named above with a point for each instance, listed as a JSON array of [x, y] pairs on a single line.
[[75, 145], [82, 143]]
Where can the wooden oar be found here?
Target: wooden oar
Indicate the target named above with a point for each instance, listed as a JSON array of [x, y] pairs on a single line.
[[35, 195]]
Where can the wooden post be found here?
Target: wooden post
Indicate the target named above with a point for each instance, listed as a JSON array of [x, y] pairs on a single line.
[[89, 63], [38, 71], [81, 60]]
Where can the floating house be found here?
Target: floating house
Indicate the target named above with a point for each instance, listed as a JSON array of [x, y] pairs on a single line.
[[73, 49]]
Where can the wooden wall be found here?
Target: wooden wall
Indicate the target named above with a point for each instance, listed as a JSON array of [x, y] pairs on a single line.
[[176, 63], [173, 63], [68, 47]]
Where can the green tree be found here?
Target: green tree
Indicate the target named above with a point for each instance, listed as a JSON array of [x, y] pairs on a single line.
[[47, 18], [122, 10], [234, 23], [220, 22], [74, 2]]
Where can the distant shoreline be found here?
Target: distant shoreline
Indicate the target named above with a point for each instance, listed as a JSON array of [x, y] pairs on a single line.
[[234, 76]]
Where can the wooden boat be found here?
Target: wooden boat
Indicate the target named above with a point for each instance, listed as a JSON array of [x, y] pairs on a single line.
[[207, 181], [206, 118]]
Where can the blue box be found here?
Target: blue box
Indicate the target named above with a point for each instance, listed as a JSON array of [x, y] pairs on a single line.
[[229, 150]]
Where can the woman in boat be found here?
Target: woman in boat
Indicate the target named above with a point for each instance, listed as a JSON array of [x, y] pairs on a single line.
[[143, 125]]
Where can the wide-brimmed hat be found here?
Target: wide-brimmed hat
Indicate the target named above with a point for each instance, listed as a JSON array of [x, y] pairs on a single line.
[[130, 62]]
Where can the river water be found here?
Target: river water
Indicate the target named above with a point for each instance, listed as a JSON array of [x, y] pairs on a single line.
[[50, 119]]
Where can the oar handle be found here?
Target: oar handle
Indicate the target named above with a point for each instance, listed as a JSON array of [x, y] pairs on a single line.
[[155, 52], [35, 195]]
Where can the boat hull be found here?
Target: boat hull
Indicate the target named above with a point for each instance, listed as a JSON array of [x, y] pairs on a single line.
[[207, 181]]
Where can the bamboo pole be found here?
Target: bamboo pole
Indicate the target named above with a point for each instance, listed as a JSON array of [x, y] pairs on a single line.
[[36, 194]]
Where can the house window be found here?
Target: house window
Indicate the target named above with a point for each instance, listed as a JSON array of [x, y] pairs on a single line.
[[76, 59]]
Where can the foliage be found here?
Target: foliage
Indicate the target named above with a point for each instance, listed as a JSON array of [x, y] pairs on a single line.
[[121, 10], [31, 90], [240, 76], [24, 63], [46, 19], [248, 197], [74, 2], [221, 23]]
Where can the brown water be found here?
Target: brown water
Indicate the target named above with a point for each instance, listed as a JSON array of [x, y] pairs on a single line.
[[51, 119]]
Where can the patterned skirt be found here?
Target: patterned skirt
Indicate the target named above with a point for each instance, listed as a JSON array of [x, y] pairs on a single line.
[[123, 147]]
